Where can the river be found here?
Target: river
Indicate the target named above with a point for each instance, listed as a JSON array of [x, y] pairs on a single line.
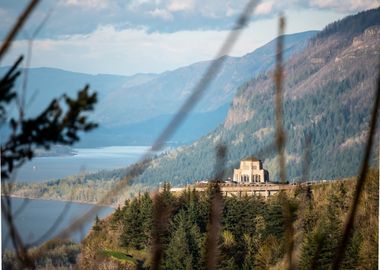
[[86, 160], [37, 216]]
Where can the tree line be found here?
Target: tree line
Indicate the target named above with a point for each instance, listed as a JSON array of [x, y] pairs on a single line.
[[252, 234]]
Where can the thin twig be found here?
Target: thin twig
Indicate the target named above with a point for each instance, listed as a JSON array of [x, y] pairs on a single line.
[[161, 213], [22, 106], [306, 159], [22, 103], [21, 208], [49, 232], [361, 181], [21, 251], [207, 78], [216, 200], [278, 77], [18, 25], [15, 214], [133, 172], [280, 141], [198, 91]]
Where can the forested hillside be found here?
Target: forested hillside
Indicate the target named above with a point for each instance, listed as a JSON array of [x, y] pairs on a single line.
[[88, 188], [252, 233], [328, 95]]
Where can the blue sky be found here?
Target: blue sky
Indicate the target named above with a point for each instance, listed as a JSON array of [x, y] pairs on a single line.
[[128, 37]]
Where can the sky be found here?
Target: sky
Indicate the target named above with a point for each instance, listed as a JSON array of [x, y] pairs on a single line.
[[152, 36]]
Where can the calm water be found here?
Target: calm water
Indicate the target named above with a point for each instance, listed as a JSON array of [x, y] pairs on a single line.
[[38, 216], [87, 160]]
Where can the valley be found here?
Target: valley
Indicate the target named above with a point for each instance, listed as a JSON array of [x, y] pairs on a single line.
[[274, 168]]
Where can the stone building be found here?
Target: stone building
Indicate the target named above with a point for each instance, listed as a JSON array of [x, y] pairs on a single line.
[[251, 171]]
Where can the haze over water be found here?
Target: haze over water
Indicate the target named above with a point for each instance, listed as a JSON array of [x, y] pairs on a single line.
[[86, 160]]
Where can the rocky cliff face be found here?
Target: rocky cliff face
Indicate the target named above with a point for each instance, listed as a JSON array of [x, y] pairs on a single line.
[[367, 43], [238, 113]]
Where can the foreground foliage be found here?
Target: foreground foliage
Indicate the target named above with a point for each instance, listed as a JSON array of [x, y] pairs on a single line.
[[54, 254]]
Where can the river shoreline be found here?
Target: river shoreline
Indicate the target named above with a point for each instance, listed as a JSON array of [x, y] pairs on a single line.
[[60, 200], [39, 220]]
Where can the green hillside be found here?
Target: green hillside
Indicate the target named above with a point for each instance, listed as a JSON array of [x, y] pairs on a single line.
[[328, 94], [251, 235]]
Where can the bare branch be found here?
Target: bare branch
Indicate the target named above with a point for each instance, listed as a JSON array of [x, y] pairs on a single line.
[[161, 213], [216, 200], [16, 28], [207, 78], [21, 251], [361, 181], [306, 158], [278, 78], [22, 106], [198, 91]]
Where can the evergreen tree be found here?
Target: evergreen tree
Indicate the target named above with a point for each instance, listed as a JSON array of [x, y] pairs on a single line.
[[133, 234], [250, 251], [268, 253], [320, 245], [227, 251], [351, 255], [184, 248], [117, 218], [178, 255], [146, 208], [97, 225]]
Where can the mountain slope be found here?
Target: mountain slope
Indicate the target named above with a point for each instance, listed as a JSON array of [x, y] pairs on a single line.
[[45, 84], [144, 133], [164, 94], [135, 108], [328, 94]]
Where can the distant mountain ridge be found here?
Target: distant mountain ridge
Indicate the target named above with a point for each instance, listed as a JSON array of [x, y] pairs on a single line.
[[171, 88], [130, 104], [328, 94]]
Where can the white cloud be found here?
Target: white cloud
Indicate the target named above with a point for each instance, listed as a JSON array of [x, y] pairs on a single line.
[[230, 10], [97, 4], [161, 13], [345, 5], [129, 51], [134, 5], [264, 8], [180, 5], [85, 16]]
